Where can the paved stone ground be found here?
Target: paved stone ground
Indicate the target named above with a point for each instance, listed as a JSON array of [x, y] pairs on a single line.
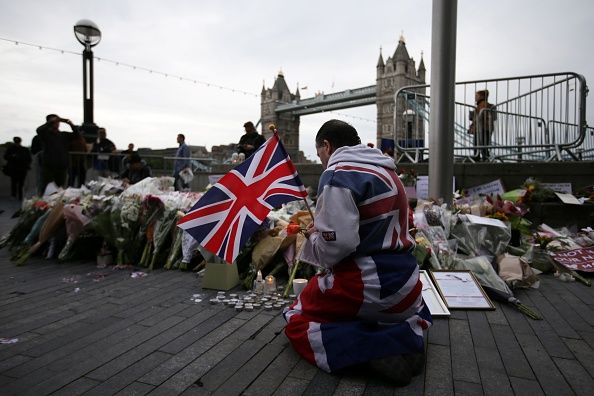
[[126, 336]]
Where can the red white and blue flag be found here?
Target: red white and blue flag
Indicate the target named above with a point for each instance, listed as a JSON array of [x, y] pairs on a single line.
[[232, 210]]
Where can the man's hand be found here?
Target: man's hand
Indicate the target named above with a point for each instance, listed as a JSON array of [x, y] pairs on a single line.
[[310, 229]]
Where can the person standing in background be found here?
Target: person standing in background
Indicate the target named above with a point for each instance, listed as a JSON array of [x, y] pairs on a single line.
[[127, 154], [250, 141], [482, 124], [181, 162], [18, 162], [103, 147], [78, 169], [54, 167]]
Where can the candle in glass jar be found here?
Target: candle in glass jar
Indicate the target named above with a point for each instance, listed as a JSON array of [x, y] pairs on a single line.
[[270, 284]]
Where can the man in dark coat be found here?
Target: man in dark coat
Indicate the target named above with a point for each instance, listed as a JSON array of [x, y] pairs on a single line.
[[55, 160], [251, 141], [18, 162]]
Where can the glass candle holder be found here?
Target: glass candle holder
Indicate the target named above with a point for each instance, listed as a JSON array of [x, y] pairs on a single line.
[[269, 284]]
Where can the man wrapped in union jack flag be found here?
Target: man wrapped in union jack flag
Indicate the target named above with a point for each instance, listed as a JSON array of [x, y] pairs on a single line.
[[366, 306]]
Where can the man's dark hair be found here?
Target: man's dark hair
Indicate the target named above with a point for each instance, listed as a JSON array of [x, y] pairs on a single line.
[[338, 133], [182, 136], [47, 117], [135, 158], [16, 140], [249, 125]]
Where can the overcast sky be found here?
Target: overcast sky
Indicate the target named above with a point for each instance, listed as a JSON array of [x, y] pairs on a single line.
[[324, 45]]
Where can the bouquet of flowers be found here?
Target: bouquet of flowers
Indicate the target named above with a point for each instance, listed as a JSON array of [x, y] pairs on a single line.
[[98, 208], [495, 287], [163, 224], [31, 210], [177, 243], [151, 209], [129, 226], [75, 221], [511, 212], [54, 220], [189, 247]]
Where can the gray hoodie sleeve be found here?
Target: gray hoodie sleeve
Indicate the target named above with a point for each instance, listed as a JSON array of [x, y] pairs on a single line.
[[337, 225]]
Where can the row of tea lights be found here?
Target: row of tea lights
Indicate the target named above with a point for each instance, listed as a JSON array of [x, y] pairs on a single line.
[[252, 301]]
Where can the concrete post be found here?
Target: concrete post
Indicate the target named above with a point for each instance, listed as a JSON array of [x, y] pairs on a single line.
[[443, 80]]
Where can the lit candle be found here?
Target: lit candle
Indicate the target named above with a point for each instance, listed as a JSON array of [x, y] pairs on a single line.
[[270, 284]]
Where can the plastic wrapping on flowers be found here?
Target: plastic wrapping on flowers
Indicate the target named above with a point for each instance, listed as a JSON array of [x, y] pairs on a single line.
[[75, 221], [479, 239], [163, 225], [495, 287]]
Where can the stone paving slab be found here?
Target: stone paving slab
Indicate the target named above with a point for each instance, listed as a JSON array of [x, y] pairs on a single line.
[[125, 336]]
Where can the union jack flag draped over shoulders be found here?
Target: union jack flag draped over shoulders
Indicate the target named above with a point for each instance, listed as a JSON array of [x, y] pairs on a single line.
[[233, 209]]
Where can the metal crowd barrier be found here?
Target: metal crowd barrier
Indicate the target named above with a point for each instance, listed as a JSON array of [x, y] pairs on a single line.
[[536, 118]]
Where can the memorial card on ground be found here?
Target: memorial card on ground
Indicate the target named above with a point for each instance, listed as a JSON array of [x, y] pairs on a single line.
[[461, 290]]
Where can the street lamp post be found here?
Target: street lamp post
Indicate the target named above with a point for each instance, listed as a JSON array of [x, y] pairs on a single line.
[[88, 34]]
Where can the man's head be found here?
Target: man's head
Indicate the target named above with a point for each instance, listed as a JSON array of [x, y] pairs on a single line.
[[17, 140], [249, 127], [102, 133], [54, 120], [135, 158], [135, 161], [333, 135], [131, 146], [181, 138], [481, 95]]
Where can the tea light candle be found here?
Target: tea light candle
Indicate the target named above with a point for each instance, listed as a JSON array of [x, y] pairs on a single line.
[[269, 284], [257, 305], [238, 308], [214, 301]]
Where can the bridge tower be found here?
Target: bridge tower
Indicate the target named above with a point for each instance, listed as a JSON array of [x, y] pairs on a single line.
[[286, 123], [398, 71]]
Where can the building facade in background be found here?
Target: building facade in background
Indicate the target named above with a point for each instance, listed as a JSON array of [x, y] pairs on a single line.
[[398, 71]]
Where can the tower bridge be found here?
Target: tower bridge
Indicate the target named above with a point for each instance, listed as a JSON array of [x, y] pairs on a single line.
[[281, 107]]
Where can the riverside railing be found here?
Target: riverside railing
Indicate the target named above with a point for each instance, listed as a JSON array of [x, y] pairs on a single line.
[[536, 118], [116, 164]]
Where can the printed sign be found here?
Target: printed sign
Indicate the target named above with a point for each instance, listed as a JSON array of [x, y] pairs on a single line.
[[568, 199], [577, 259], [493, 188], [485, 221], [558, 187], [423, 186]]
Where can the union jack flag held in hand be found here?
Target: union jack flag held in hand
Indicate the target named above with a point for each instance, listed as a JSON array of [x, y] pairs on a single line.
[[233, 209]]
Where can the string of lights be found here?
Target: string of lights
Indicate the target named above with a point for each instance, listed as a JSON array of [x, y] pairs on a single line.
[[164, 74], [352, 116], [138, 68]]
